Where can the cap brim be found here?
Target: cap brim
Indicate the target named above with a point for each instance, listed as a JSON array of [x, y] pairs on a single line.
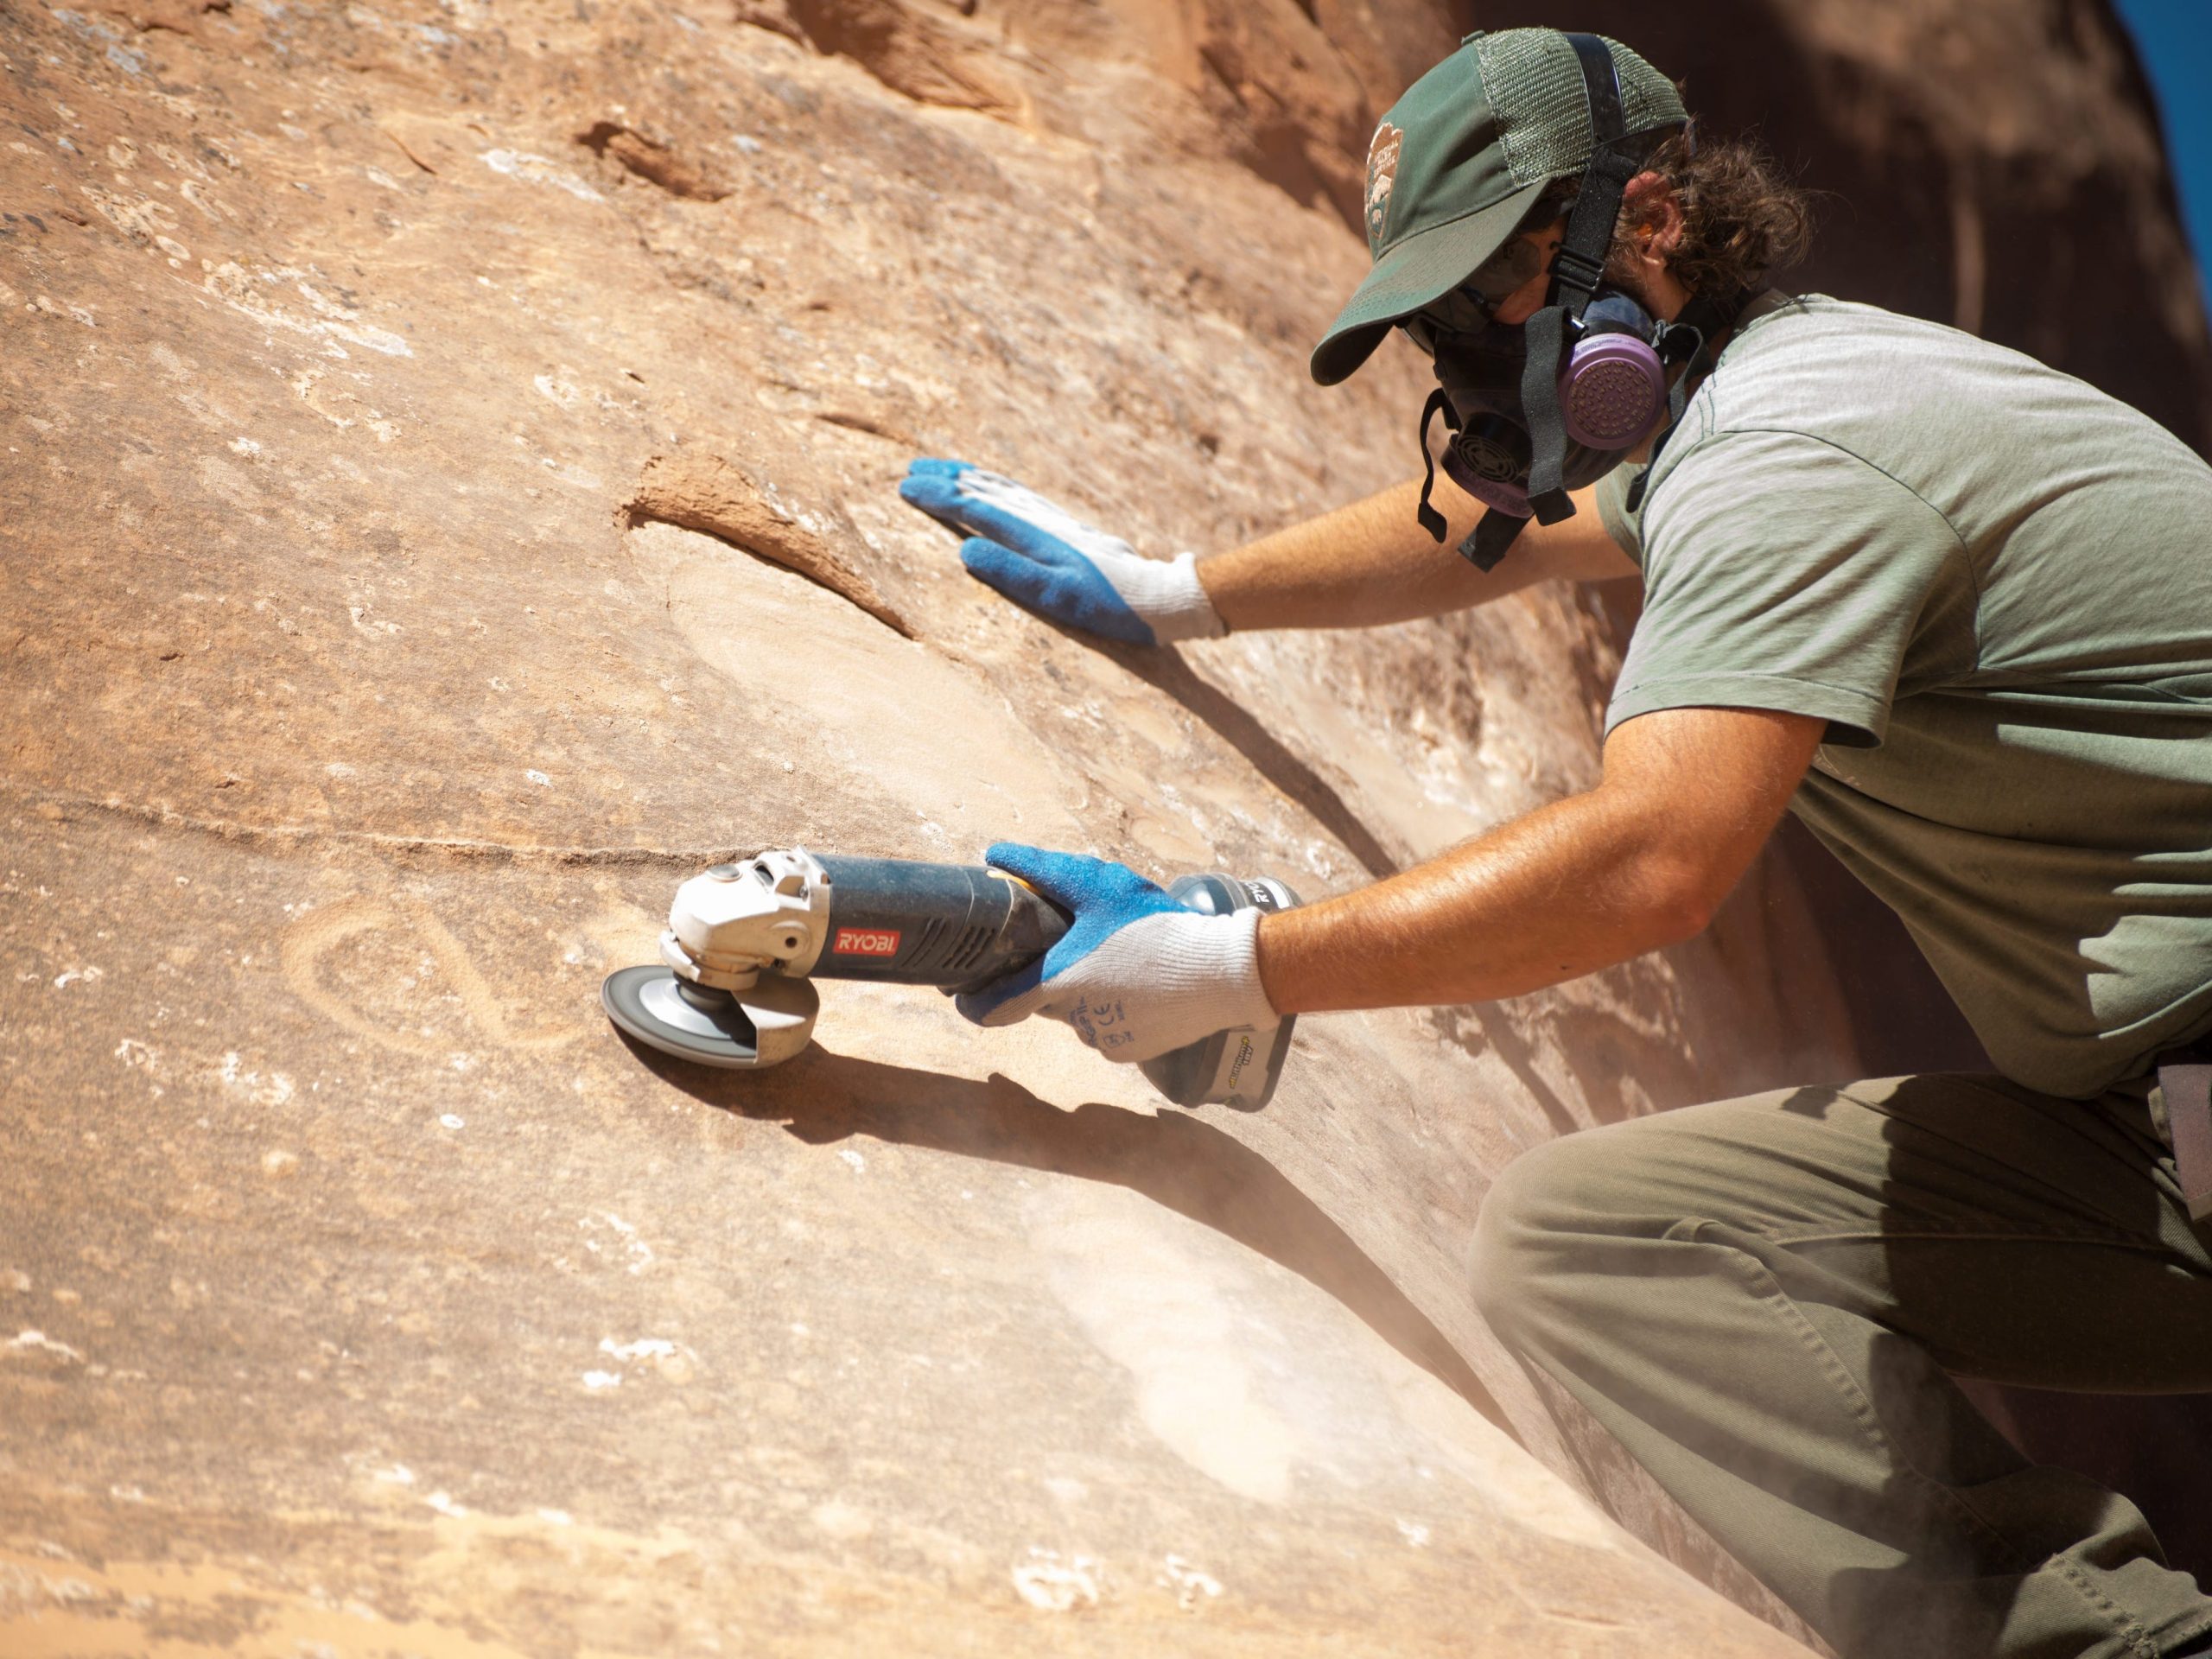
[[1420, 269]]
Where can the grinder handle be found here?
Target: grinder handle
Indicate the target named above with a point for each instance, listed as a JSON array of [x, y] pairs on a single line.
[[1033, 925]]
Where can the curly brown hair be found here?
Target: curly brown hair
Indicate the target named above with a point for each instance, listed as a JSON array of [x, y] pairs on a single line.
[[1742, 216]]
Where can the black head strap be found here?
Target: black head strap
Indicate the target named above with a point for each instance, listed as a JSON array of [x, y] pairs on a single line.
[[1483, 545], [1580, 265], [1439, 402], [1493, 533], [1576, 270]]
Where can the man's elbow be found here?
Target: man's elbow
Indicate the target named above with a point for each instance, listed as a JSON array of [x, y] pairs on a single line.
[[1682, 896], [1690, 795]]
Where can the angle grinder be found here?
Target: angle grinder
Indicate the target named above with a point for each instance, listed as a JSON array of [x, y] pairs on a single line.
[[745, 940]]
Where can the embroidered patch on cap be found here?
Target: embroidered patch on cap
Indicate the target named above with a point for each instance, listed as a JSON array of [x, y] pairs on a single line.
[[1381, 174]]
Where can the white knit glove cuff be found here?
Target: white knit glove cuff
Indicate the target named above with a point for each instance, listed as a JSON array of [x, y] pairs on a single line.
[[1165, 592], [1157, 983]]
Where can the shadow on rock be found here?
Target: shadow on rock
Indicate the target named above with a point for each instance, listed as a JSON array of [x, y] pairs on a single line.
[[1178, 1161], [1168, 674]]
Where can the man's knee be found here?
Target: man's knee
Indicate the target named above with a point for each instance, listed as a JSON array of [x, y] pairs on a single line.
[[1571, 1220], [1568, 1217], [1539, 1219]]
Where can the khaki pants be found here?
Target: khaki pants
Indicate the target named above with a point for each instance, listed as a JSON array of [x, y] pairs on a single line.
[[1761, 1299]]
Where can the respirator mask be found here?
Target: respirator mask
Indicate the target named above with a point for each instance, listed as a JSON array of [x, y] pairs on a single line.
[[1533, 410]]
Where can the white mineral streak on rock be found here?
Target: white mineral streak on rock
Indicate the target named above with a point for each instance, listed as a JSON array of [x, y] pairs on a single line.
[[637, 1254], [276, 1089], [37, 1342], [537, 169], [1188, 1583], [643, 1348], [1053, 1585], [573, 475], [671, 1361], [248, 292], [847, 1522]]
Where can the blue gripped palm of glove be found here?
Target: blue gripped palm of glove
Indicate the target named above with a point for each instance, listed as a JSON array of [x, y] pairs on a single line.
[[1136, 974], [1049, 561]]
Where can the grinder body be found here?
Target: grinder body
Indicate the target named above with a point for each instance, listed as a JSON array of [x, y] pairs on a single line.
[[743, 937], [910, 923]]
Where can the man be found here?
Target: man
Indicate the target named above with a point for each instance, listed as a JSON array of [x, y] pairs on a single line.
[[1953, 608]]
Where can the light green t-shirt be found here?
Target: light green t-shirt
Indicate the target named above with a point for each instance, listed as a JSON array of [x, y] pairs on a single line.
[[1995, 584]]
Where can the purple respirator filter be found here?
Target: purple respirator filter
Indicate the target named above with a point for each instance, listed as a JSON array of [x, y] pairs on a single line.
[[1612, 391]]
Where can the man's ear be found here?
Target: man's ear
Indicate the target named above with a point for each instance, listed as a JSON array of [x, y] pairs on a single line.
[[1654, 220]]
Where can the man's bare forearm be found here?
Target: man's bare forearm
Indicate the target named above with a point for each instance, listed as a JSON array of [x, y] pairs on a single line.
[[1574, 888], [1640, 862], [1371, 563]]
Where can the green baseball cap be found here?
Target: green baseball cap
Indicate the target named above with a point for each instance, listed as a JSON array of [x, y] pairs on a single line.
[[1460, 159]]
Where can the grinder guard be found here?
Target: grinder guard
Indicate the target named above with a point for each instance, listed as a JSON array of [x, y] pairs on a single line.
[[708, 1026]]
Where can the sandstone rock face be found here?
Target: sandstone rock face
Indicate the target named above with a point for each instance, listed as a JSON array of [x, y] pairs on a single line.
[[447, 500]]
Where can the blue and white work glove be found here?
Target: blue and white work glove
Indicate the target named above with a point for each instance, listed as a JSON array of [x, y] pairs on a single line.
[[1136, 973], [1047, 560]]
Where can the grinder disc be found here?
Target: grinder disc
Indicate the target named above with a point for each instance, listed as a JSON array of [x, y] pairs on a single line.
[[708, 1026]]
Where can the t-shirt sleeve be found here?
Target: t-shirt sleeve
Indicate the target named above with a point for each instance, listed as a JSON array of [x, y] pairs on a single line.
[[1781, 572], [1612, 511]]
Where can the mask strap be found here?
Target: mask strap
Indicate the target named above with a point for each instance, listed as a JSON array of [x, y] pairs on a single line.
[[1580, 265], [1431, 520], [1493, 533], [1547, 335], [1483, 545], [1577, 268]]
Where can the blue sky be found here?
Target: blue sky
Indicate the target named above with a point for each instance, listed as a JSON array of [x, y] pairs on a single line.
[[2176, 39]]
